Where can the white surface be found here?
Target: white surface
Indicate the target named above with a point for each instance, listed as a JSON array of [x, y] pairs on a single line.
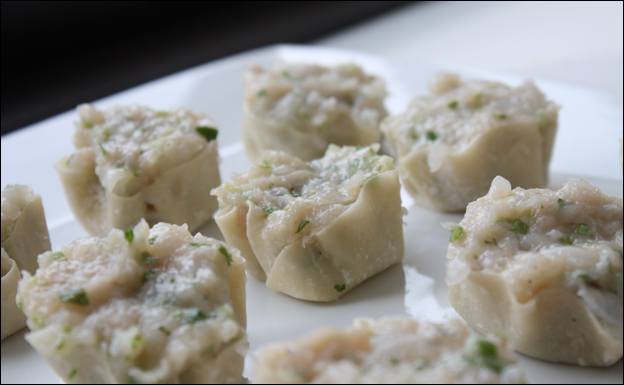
[[415, 288], [576, 42]]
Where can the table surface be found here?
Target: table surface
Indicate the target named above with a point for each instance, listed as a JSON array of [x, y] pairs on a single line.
[[574, 42]]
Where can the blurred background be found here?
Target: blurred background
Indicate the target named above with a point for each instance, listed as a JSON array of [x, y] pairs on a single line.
[[56, 55]]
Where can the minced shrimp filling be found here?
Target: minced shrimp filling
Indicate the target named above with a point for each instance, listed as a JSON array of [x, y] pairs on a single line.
[[136, 141], [458, 113]]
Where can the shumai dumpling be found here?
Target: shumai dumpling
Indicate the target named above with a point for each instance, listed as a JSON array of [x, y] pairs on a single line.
[[315, 230], [144, 306], [452, 144], [133, 162], [391, 351], [545, 268], [301, 109]]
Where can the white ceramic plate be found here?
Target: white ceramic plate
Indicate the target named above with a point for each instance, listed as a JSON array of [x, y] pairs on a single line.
[[587, 146]]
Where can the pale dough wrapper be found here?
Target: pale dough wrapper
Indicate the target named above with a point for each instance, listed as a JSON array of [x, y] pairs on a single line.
[[315, 230], [451, 144], [301, 109], [13, 320], [24, 230], [391, 351], [545, 268], [133, 162], [144, 306]]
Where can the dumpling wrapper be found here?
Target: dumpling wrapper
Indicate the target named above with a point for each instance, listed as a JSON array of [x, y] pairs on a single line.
[[315, 231], [13, 320], [544, 268], [133, 162], [452, 144]]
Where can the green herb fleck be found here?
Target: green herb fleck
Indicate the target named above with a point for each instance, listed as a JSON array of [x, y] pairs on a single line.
[[501, 116], [128, 169], [37, 320], [265, 165], [584, 230], [39, 282], [9, 229], [152, 240], [226, 253], [208, 132], [87, 124], [197, 245], [60, 345], [457, 234], [104, 152], [340, 289], [262, 93], [138, 341], [588, 278], [193, 316], [150, 275], [162, 114], [147, 259], [164, 331], [71, 157], [394, 361], [431, 136], [517, 226], [354, 166], [453, 105], [563, 203], [494, 242], [487, 356], [302, 226], [268, 210], [72, 375], [129, 236], [74, 296], [566, 240], [501, 336]]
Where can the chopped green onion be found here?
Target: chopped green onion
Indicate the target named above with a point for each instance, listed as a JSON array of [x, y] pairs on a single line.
[[226, 253], [162, 113], [563, 203], [138, 341], [58, 256], [457, 234], [9, 229], [340, 289], [71, 157], [302, 226], [431, 136], [87, 124], [354, 166], [295, 195], [164, 331], [152, 240], [268, 210], [544, 123], [60, 345], [494, 242], [37, 320], [197, 245], [262, 93], [501, 116], [208, 132], [129, 236], [147, 259], [394, 361], [193, 316], [487, 356], [567, 240], [517, 226], [588, 278], [150, 275], [584, 230], [453, 105], [72, 375], [265, 165], [104, 152], [74, 296]]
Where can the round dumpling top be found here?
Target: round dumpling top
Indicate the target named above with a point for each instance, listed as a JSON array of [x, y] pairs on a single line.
[[138, 143], [391, 351], [341, 105], [297, 195], [144, 306], [539, 239], [14, 200], [457, 113]]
